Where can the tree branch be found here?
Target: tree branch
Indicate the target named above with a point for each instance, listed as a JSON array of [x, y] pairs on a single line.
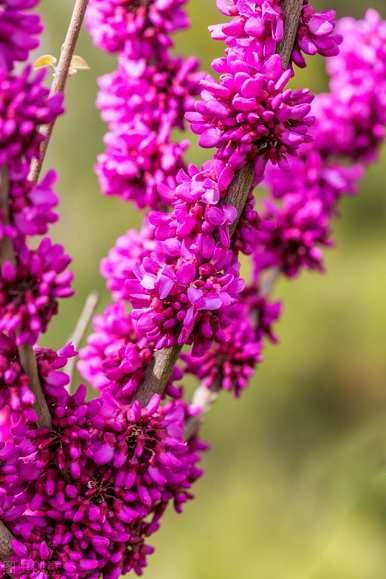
[[60, 78], [159, 371], [80, 330], [291, 10], [6, 247], [28, 361], [27, 355], [26, 352], [5, 541]]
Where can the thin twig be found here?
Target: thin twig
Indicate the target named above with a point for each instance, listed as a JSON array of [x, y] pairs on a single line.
[[6, 247], [268, 281], [203, 399], [81, 328], [26, 353], [60, 78]]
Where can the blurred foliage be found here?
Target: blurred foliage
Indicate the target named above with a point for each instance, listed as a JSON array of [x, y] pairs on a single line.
[[295, 484]]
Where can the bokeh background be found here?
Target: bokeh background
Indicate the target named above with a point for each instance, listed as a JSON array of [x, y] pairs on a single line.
[[295, 484]]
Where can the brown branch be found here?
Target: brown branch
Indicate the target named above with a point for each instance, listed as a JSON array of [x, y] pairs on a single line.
[[6, 247], [291, 10], [80, 330], [26, 352], [28, 361], [60, 78], [5, 542], [159, 371], [238, 192]]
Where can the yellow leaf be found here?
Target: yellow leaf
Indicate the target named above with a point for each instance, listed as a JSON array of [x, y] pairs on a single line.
[[45, 61], [78, 63]]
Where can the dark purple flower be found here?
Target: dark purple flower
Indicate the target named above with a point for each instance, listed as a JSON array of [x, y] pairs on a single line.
[[292, 234], [109, 473]]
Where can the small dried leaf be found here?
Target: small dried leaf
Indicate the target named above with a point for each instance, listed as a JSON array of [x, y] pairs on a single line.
[[78, 63], [45, 61]]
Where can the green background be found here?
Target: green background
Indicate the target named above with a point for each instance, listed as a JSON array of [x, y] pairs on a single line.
[[295, 484]]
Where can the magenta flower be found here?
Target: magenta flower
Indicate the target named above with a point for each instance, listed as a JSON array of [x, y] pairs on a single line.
[[25, 105], [16, 398], [316, 34], [136, 163], [198, 220], [179, 303], [31, 206], [30, 290], [255, 30], [231, 360], [316, 177], [129, 250], [291, 235], [109, 474], [140, 27], [114, 358], [19, 31], [159, 94]]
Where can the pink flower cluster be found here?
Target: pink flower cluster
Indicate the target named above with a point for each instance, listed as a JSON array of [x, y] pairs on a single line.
[[180, 273], [145, 99], [248, 114], [107, 473], [83, 498], [19, 31], [349, 129], [32, 281]]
